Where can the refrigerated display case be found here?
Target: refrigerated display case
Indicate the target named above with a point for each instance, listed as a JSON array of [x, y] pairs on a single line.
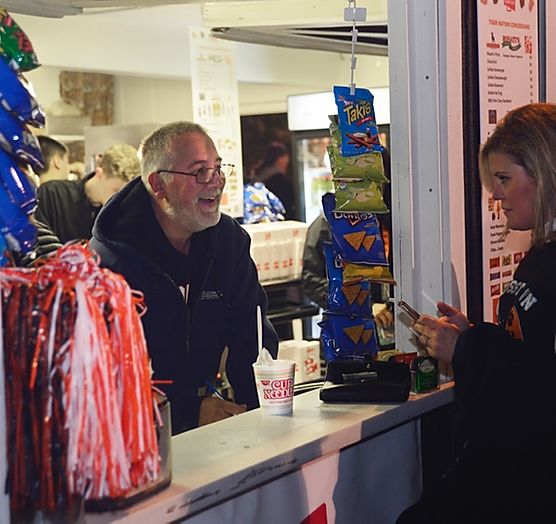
[[311, 168]]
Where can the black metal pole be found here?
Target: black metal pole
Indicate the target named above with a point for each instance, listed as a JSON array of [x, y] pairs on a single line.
[[471, 144]]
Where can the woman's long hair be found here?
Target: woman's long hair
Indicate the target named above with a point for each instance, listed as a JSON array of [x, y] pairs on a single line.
[[528, 135]]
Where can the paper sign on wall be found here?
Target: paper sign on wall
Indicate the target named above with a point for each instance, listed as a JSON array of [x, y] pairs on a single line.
[[216, 106], [508, 78]]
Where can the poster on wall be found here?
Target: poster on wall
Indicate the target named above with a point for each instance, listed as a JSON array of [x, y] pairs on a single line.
[[508, 78], [216, 106], [550, 9]]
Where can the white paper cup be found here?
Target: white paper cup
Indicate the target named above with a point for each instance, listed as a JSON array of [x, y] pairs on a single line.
[[275, 386]]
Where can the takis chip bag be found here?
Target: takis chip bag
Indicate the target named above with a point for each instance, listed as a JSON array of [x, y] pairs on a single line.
[[352, 298], [16, 183], [368, 166], [16, 96], [16, 140], [359, 195], [356, 236], [346, 336], [15, 48], [357, 121]]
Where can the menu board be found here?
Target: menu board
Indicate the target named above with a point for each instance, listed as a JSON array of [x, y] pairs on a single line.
[[216, 106], [508, 78], [550, 8]]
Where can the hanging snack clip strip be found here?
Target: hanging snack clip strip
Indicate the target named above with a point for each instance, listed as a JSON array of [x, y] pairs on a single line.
[[354, 14]]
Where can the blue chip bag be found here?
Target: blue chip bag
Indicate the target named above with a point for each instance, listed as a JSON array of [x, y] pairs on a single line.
[[356, 236], [348, 336], [16, 96], [356, 115], [16, 140], [261, 205], [353, 298], [15, 181]]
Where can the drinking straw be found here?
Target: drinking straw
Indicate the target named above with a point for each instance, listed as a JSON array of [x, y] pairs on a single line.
[[259, 329]]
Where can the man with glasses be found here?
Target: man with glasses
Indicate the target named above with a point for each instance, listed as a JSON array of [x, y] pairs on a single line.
[[165, 233]]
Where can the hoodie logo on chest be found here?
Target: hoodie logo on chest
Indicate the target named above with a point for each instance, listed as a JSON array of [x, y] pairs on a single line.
[[210, 295]]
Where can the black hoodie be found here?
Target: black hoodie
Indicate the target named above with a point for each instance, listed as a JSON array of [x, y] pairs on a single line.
[[186, 337]]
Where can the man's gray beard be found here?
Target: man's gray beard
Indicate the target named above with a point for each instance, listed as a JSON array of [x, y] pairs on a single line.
[[180, 216]]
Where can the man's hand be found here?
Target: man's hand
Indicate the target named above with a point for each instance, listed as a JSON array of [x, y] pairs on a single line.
[[384, 316], [214, 409]]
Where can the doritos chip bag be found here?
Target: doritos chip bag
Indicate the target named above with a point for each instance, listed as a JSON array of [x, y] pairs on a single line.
[[350, 298], [357, 121], [348, 336], [356, 236]]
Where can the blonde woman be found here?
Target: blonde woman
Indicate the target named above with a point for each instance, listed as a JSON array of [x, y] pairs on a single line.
[[505, 373]]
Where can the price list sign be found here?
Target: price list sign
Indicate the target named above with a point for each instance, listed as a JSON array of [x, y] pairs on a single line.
[[216, 106], [508, 78], [550, 7]]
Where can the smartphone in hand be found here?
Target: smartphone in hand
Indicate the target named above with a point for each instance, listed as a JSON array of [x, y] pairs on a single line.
[[404, 306]]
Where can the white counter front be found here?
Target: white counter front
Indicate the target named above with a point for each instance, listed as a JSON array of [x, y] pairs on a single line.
[[325, 463]]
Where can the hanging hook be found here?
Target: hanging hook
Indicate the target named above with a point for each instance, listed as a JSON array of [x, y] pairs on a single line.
[[354, 14]]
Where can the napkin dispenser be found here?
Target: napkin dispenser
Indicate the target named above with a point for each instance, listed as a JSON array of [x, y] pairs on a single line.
[[366, 381]]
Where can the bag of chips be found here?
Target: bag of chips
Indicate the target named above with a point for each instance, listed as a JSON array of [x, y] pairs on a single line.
[[16, 96], [348, 336], [357, 121], [350, 298], [356, 236], [359, 195], [15, 48], [355, 272], [368, 166]]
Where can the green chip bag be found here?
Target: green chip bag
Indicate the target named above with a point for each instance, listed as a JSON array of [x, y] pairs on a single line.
[[359, 195], [369, 165], [355, 272], [15, 48]]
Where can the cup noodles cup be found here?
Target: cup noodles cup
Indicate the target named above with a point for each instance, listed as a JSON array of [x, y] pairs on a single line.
[[275, 386]]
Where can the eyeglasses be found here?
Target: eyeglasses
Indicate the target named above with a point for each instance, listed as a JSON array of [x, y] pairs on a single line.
[[204, 175]]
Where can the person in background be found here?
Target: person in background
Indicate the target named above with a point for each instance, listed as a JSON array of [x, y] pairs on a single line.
[[165, 234], [272, 171], [69, 207], [56, 160], [505, 373]]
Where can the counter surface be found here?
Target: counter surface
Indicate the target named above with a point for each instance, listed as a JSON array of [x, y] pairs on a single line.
[[216, 462]]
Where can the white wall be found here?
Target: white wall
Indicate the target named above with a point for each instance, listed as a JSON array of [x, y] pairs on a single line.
[[148, 51]]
